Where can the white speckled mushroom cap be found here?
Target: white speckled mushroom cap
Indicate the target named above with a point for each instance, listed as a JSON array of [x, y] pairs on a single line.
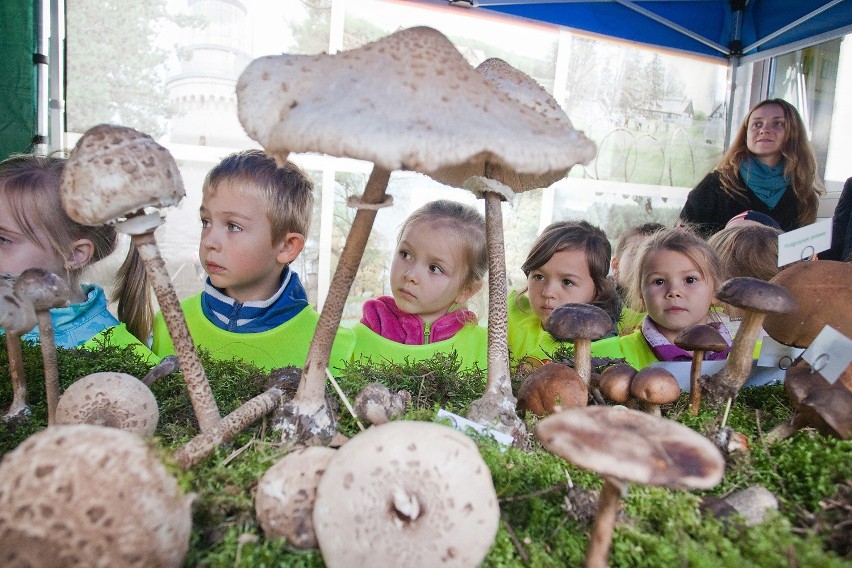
[[284, 503], [16, 314], [89, 496], [117, 400], [633, 446], [406, 494], [407, 101], [43, 289], [114, 171]]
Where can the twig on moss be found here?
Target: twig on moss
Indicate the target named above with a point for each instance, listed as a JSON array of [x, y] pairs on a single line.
[[540, 492], [514, 538]]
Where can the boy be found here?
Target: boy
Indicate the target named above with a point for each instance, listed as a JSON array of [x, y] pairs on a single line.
[[254, 218], [622, 265]]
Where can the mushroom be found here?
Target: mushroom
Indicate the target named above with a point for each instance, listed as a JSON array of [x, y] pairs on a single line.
[[377, 404], [406, 494], [45, 290], [752, 504], [114, 174], [698, 339], [582, 324], [337, 105], [86, 495], [625, 445], [17, 317], [553, 387], [284, 503], [757, 298], [653, 386], [615, 381], [117, 400]]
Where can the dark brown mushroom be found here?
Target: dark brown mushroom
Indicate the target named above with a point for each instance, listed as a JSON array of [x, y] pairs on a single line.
[[624, 445], [699, 339], [582, 324], [17, 317], [553, 387], [653, 387]]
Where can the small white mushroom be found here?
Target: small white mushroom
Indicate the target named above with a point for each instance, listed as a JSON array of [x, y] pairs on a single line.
[[90, 496], [17, 317], [284, 503], [117, 400], [406, 494]]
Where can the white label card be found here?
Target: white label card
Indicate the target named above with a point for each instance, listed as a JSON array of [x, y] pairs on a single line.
[[829, 354], [803, 243], [774, 354], [461, 424]]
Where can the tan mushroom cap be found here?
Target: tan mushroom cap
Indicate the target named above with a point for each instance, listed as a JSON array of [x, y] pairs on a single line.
[[91, 496], [701, 337], [16, 314], [633, 446], [377, 404], [284, 503], [112, 399], [615, 381], [45, 290], [569, 322], [408, 101], [756, 295], [823, 294], [114, 171], [655, 385], [552, 387], [406, 494]]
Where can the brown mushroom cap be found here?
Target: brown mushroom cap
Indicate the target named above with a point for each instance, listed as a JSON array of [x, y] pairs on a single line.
[[655, 385], [16, 314], [823, 294], [114, 171], [701, 337], [377, 404], [45, 290], [615, 382], [117, 400], [818, 403], [284, 503], [406, 494], [578, 321], [633, 446], [550, 388], [91, 496], [756, 295]]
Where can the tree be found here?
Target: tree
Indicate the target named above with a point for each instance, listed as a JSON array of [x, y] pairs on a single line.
[[113, 65]]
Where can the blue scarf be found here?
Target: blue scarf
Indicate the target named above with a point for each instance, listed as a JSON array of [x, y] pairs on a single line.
[[766, 182], [256, 316]]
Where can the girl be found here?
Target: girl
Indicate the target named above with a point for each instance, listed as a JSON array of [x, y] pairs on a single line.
[[440, 261], [675, 282], [35, 232], [568, 263]]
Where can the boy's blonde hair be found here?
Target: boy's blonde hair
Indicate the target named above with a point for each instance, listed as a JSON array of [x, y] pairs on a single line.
[[467, 224], [681, 240], [747, 250], [286, 190], [30, 187]]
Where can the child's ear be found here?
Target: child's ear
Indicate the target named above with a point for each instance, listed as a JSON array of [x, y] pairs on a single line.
[[81, 254], [289, 247], [468, 291]]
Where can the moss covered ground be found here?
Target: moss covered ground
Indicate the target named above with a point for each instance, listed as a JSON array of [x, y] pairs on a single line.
[[546, 503]]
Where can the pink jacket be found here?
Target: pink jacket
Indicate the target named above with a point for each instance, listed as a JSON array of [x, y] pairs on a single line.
[[386, 319]]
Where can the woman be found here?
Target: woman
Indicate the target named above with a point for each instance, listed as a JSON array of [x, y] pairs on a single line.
[[770, 168]]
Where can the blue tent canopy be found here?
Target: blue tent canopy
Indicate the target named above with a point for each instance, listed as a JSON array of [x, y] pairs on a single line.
[[729, 29]]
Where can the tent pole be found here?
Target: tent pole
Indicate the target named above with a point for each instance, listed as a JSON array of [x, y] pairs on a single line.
[[56, 81], [40, 61]]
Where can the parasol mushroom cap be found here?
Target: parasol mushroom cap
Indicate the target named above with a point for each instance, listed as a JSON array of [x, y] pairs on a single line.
[[570, 322], [44, 290], [406, 494], [87, 495], [824, 297], [377, 404], [615, 381], [112, 399], [115, 171], [701, 337], [756, 295], [633, 446], [655, 385], [444, 113], [551, 388], [16, 314], [284, 503]]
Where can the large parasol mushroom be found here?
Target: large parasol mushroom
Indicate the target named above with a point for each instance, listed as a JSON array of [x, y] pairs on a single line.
[[17, 317], [114, 174], [409, 101], [629, 446]]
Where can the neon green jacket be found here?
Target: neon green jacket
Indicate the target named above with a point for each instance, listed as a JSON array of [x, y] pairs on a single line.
[[526, 336], [632, 347], [284, 346], [119, 336], [630, 320], [471, 344]]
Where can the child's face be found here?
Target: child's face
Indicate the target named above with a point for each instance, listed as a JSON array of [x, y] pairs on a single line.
[[563, 279], [428, 271], [676, 294], [18, 252], [236, 246]]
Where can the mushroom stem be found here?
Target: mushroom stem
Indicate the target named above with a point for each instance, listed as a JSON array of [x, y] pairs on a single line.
[[597, 554], [736, 372], [225, 429], [203, 403], [694, 386], [51, 367], [18, 408], [583, 358], [309, 401]]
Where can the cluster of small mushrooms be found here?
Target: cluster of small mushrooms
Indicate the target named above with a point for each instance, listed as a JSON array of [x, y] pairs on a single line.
[[416, 492]]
